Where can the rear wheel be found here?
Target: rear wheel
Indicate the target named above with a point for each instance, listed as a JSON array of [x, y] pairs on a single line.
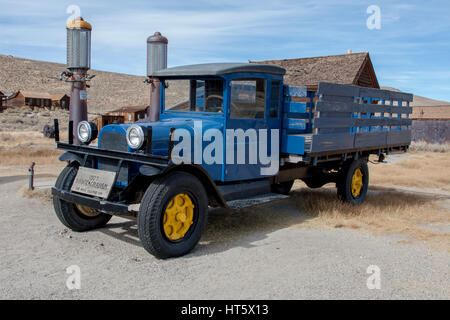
[[76, 217], [172, 215], [353, 183]]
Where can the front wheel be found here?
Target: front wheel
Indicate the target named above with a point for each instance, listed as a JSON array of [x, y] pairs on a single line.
[[353, 184], [172, 215], [76, 217]]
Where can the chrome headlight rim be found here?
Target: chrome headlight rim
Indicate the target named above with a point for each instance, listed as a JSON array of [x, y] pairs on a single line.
[[139, 132], [87, 126]]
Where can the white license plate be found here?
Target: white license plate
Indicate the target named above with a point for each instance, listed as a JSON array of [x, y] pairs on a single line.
[[94, 182]]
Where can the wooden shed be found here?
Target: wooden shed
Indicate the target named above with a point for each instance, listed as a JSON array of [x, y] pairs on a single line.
[[30, 99], [351, 68], [61, 100], [122, 115], [15, 99], [130, 114], [37, 99]]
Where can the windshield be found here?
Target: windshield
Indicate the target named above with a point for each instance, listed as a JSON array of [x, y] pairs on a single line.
[[194, 95]]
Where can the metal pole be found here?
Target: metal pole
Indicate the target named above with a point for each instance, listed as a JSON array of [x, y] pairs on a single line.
[[31, 175], [78, 102], [155, 99]]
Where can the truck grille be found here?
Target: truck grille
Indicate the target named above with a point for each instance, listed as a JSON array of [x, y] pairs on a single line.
[[117, 142], [113, 141]]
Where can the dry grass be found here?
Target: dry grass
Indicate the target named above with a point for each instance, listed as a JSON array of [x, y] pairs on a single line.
[[420, 170], [16, 119], [41, 194], [18, 139], [24, 156], [385, 211]]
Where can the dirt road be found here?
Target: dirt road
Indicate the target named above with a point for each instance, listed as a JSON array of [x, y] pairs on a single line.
[[241, 256]]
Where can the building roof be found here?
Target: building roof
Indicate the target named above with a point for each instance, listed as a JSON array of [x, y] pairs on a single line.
[[217, 69], [36, 95], [1, 93], [353, 68], [58, 96]]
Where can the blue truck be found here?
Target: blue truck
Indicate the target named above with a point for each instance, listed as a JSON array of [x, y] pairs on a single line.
[[220, 112]]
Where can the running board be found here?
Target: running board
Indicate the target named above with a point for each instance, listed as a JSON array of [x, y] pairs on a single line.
[[256, 200]]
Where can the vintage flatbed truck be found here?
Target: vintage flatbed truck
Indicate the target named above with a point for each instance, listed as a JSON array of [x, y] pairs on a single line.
[[324, 136]]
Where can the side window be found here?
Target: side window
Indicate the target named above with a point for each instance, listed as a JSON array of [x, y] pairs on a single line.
[[248, 98], [275, 99]]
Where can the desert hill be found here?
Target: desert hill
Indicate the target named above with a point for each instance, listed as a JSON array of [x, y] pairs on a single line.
[[108, 90]]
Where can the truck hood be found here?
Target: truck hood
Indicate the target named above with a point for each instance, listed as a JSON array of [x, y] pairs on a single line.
[[161, 131]]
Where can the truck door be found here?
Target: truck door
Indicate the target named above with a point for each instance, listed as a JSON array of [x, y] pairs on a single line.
[[248, 112]]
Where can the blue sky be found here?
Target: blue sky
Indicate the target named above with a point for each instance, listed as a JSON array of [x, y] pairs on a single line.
[[409, 52]]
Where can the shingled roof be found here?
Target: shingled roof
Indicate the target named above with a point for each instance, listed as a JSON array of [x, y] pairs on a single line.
[[36, 95], [353, 68]]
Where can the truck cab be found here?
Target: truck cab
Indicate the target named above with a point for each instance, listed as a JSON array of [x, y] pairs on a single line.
[[229, 135], [226, 97]]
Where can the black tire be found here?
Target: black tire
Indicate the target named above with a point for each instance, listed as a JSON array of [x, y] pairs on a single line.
[[316, 182], [344, 184], [71, 215], [153, 207], [282, 187]]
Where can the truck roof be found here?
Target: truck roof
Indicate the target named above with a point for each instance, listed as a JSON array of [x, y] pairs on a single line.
[[217, 69]]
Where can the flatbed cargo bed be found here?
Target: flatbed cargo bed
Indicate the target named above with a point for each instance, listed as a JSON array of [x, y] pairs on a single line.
[[341, 119]]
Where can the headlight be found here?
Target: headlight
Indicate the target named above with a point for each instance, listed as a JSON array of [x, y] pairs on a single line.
[[135, 136], [87, 131]]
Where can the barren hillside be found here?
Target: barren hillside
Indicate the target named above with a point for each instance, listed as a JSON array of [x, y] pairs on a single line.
[[108, 90]]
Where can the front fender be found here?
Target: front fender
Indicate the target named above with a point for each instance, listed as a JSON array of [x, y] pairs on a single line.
[[70, 156]]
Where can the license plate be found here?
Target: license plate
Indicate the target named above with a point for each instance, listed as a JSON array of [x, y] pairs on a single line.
[[94, 182]]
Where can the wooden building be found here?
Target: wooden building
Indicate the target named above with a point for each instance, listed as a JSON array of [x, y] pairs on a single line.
[[30, 99], [60, 101], [122, 115], [351, 68], [15, 99], [131, 113]]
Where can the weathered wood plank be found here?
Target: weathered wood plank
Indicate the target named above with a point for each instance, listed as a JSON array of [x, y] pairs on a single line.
[[399, 137], [339, 106], [371, 139], [331, 142], [333, 89], [347, 122], [322, 123], [326, 88], [402, 110]]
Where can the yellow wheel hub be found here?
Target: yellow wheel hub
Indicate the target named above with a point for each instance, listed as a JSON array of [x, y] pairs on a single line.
[[89, 212], [357, 183], [179, 217]]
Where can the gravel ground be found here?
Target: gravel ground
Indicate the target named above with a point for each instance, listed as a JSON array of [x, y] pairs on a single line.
[[233, 261]]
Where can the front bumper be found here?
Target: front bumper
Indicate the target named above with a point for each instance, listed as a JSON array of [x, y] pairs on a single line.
[[84, 151], [102, 205], [81, 154]]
